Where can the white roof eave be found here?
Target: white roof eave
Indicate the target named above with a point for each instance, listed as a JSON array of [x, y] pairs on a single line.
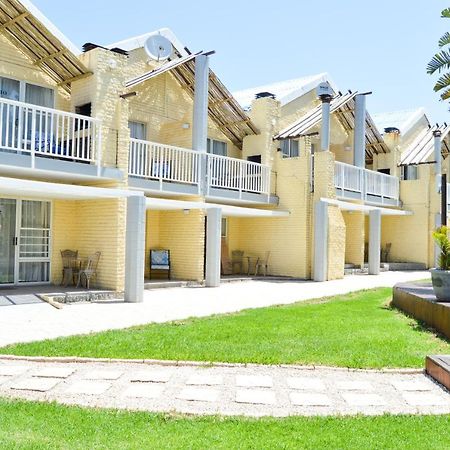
[[349, 206], [163, 204]]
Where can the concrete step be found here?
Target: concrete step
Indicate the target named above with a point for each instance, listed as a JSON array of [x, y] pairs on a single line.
[[82, 296], [162, 284]]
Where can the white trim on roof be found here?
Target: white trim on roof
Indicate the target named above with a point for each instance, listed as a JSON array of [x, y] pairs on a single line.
[[285, 91], [349, 206], [51, 26], [46, 190], [227, 210], [136, 42]]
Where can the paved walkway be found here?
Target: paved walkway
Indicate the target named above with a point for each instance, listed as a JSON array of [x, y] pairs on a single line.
[[224, 389], [25, 323]]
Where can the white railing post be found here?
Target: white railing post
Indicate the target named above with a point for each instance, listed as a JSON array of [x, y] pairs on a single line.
[[33, 139], [98, 147], [241, 179]]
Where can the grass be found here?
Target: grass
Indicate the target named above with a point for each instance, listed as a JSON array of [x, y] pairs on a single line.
[[355, 330], [27, 425]]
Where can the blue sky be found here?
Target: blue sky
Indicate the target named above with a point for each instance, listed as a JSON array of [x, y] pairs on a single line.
[[382, 46]]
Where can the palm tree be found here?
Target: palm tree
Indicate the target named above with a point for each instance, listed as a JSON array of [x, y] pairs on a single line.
[[441, 62]]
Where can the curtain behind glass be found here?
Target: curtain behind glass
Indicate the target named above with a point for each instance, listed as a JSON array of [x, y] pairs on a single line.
[[39, 96], [137, 130]]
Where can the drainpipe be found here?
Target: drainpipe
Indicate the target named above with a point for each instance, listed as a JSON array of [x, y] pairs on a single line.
[[200, 115], [359, 136], [437, 157]]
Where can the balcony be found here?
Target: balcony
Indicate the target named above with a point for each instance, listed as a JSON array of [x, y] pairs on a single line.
[[37, 140], [355, 183], [156, 167]]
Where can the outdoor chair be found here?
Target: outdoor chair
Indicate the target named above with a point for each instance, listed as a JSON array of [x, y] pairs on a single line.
[[262, 264], [160, 261], [385, 252], [237, 259], [69, 269], [89, 270]]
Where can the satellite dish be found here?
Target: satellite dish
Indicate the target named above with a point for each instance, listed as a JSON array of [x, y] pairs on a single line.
[[158, 47]]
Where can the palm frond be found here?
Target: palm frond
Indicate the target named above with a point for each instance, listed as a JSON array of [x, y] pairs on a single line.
[[440, 236], [444, 40], [439, 62], [446, 13], [442, 83], [446, 94]]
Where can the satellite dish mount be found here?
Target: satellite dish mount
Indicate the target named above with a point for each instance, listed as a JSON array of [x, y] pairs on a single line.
[[158, 47]]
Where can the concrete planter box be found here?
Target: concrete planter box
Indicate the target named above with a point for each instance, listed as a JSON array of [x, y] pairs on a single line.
[[441, 284]]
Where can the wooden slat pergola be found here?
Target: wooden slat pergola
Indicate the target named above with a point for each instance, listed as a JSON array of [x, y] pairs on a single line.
[[223, 109], [343, 106], [33, 34]]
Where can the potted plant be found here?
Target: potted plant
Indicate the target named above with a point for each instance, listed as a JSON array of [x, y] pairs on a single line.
[[440, 277]]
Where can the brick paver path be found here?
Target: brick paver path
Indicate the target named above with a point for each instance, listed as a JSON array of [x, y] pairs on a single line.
[[222, 389]]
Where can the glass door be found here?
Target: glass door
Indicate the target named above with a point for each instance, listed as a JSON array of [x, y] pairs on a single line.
[[34, 242], [9, 114], [7, 240]]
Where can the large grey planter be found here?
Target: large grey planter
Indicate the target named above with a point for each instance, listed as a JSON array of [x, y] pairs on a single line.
[[441, 284]]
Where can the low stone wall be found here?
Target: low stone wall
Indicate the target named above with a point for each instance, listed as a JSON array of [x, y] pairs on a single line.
[[418, 300]]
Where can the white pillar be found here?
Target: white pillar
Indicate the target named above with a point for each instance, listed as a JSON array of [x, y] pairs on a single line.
[[135, 249], [320, 241], [438, 158], [374, 241], [325, 130], [213, 246], [200, 114], [359, 136]]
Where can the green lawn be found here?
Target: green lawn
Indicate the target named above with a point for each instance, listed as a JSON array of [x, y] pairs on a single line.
[[355, 330], [26, 425]]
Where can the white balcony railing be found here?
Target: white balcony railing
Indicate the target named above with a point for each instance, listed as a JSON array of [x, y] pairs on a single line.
[[163, 162], [40, 131], [166, 163], [238, 175], [367, 185]]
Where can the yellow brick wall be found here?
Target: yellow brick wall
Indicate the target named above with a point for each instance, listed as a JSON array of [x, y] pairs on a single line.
[[336, 243], [354, 238], [184, 235], [89, 226]]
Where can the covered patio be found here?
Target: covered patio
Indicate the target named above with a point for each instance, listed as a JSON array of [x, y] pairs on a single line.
[[323, 229]]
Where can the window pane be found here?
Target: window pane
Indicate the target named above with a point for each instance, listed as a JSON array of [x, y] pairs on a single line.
[[294, 149], [284, 145], [220, 148], [137, 130], [9, 89], [38, 95]]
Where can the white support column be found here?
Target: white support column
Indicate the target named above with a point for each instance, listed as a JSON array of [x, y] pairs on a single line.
[[374, 241], [438, 158], [325, 130], [200, 114], [135, 249], [213, 246], [320, 241], [359, 137]]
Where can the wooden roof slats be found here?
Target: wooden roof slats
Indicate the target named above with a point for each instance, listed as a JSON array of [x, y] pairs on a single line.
[[39, 44], [223, 109], [343, 106], [422, 147]]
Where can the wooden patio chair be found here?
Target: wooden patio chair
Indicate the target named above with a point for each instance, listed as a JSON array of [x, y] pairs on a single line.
[[160, 261], [69, 269], [89, 270], [237, 258], [262, 264]]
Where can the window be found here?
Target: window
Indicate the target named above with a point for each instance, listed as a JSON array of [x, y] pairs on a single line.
[[409, 173], [138, 130], [38, 95], [84, 110], [224, 227], [385, 171], [289, 148], [217, 147]]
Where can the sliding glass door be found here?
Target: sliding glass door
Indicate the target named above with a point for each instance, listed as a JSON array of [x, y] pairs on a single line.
[[25, 241]]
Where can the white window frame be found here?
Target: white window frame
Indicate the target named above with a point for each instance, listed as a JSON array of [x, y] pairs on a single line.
[[22, 88], [210, 146], [290, 149], [404, 176], [140, 122]]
